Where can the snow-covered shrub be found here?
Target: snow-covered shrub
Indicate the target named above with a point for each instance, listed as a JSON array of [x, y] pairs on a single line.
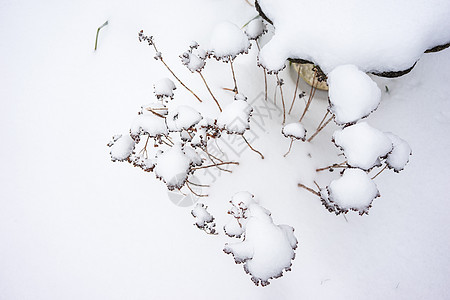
[[265, 249]]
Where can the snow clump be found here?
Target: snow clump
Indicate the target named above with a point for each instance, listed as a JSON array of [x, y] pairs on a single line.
[[265, 249], [353, 95], [164, 88], [399, 156], [227, 42], [148, 123], [255, 29], [121, 147], [203, 219], [363, 145], [235, 117], [295, 131], [172, 166], [182, 117]]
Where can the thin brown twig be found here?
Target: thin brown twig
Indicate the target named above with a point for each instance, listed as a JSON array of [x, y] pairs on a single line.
[[320, 129], [262, 156], [234, 77], [209, 90], [309, 189], [282, 99], [290, 146], [295, 92], [218, 164], [379, 172], [321, 122], [265, 74], [198, 195], [197, 184], [311, 96], [341, 165], [155, 113], [176, 77]]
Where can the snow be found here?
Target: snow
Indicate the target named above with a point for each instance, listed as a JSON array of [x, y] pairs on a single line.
[[353, 191], [399, 156], [235, 117], [193, 155], [164, 88], [363, 145], [193, 60], [255, 29], [266, 249], [121, 147], [374, 35], [148, 124], [201, 215], [353, 95], [74, 225], [294, 130], [182, 117], [172, 166], [227, 41]]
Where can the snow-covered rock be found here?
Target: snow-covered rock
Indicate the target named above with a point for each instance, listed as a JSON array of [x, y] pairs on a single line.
[[266, 249], [228, 41], [182, 117], [121, 147], [235, 117], [164, 88], [375, 35], [399, 156], [354, 190], [353, 94], [295, 131], [363, 145]]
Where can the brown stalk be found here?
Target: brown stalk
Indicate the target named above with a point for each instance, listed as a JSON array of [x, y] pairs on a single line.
[[320, 129], [262, 156], [295, 92], [290, 146], [282, 100], [265, 74], [309, 189], [234, 77], [218, 164], [311, 95], [198, 195], [341, 165], [209, 90], [379, 172]]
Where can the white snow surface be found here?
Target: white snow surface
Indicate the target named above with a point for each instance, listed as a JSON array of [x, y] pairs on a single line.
[[227, 41], [148, 123], [375, 35], [353, 94], [255, 29], [399, 156], [353, 191], [363, 145], [194, 60], [235, 117], [182, 117], [294, 130], [172, 166], [202, 216], [74, 225], [164, 88]]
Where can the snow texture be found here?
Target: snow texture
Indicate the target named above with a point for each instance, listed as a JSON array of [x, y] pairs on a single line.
[[164, 88], [172, 167], [193, 156], [294, 130], [158, 107], [399, 156], [201, 215], [148, 124], [235, 117], [363, 145], [145, 163], [354, 190], [194, 60], [353, 94], [121, 147], [374, 35], [227, 42], [266, 249], [182, 118], [255, 29]]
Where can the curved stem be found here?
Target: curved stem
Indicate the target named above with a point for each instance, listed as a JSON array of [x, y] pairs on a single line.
[[290, 146], [295, 92], [309, 189], [218, 105], [262, 156]]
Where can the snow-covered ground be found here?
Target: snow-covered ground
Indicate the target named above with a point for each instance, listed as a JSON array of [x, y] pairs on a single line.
[[74, 225]]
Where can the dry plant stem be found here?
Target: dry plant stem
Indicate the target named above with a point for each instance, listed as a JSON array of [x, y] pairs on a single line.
[[321, 122], [295, 91], [309, 189], [209, 90], [144, 150], [317, 185], [341, 165], [320, 129], [290, 146], [155, 113], [218, 164], [379, 172], [197, 184], [265, 74], [178, 79], [166, 143], [198, 195], [311, 96], [209, 154], [234, 78], [227, 89], [262, 156], [282, 100]]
